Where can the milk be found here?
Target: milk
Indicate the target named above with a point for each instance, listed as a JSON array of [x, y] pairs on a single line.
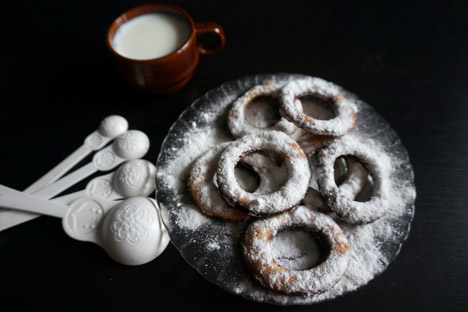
[[151, 36]]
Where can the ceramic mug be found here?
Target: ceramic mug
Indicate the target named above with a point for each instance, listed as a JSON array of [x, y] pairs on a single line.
[[161, 73]]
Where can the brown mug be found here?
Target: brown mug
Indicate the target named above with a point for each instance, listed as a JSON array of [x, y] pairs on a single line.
[[172, 71]]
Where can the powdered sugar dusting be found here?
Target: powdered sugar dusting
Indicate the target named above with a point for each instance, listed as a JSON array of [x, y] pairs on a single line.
[[371, 246], [296, 249], [191, 219]]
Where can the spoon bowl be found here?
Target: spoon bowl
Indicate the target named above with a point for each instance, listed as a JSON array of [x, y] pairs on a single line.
[[112, 126], [131, 145], [133, 178], [131, 231]]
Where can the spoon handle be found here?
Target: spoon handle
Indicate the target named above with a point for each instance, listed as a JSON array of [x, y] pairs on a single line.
[[13, 199], [58, 171], [12, 218], [100, 187], [67, 199], [67, 181], [111, 127]]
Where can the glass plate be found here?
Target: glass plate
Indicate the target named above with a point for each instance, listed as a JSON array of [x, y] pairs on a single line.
[[212, 246]]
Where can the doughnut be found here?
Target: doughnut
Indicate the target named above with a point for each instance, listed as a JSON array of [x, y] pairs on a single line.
[[203, 190], [377, 164], [345, 111], [236, 119], [259, 259], [279, 144]]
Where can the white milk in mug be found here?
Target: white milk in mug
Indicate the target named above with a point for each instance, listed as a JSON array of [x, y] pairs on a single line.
[[151, 36]]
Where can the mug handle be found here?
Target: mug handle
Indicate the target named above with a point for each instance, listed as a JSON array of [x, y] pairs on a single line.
[[210, 28]]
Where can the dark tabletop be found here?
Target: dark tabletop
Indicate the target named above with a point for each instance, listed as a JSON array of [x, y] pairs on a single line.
[[409, 60]]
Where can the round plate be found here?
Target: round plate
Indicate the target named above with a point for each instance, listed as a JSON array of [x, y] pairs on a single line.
[[213, 247]]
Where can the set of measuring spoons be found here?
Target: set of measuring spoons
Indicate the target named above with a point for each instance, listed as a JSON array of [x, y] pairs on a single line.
[[113, 210]]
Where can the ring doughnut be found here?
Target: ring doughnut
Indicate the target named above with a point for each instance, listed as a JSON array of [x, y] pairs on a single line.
[[280, 144], [345, 111], [205, 193], [260, 261], [237, 114], [377, 164]]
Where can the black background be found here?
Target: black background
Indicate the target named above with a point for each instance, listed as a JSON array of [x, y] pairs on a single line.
[[408, 59]]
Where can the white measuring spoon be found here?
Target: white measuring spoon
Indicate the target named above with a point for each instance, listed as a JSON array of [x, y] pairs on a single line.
[[133, 144], [133, 178], [130, 231], [109, 128]]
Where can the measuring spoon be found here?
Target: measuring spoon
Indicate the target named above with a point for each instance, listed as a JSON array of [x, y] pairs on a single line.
[[133, 144], [133, 178], [130, 231]]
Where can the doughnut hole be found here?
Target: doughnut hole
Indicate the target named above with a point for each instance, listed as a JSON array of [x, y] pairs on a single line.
[[340, 170], [276, 176], [272, 173], [263, 112], [247, 178], [367, 191], [299, 249], [360, 181], [316, 107]]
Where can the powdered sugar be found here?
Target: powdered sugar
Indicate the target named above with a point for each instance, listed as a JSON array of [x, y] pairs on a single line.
[[190, 218], [296, 250], [372, 246]]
